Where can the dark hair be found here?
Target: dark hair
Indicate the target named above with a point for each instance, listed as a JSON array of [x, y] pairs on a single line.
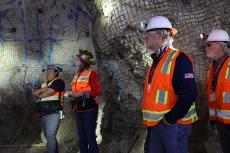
[[83, 66], [57, 71]]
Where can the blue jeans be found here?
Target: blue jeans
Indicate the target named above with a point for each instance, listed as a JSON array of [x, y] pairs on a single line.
[[167, 138], [86, 124], [224, 134], [50, 124]]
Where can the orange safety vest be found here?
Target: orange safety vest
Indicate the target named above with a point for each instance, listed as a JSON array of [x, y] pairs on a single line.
[[219, 100], [80, 82], [160, 97], [55, 96]]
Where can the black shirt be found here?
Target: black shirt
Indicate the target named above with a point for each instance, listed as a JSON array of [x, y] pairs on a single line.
[[57, 85]]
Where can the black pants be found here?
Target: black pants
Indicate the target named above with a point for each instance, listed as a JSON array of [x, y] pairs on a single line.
[[86, 124], [224, 134]]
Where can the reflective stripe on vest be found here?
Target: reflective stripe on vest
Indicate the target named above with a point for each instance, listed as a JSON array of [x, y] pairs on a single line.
[[222, 115], [227, 76], [55, 96], [226, 97], [212, 112], [219, 100], [50, 98], [80, 82], [160, 97], [153, 116], [168, 63], [191, 115], [84, 78]]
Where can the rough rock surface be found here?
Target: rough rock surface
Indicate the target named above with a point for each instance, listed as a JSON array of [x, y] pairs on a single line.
[[123, 61], [34, 33]]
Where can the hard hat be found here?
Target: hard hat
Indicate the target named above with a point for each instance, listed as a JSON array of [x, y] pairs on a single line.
[[160, 22], [86, 56], [218, 35], [55, 68]]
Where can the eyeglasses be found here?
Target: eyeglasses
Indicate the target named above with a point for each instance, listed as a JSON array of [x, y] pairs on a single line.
[[209, 44], [149, 34]]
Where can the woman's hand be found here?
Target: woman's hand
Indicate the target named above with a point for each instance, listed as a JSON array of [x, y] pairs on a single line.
[[78, 94], [37, 92], [71, 94], [68, 94], [166, 122]]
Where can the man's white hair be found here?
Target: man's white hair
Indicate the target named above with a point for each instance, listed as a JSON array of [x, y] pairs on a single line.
[[166, 36], [225, 46]]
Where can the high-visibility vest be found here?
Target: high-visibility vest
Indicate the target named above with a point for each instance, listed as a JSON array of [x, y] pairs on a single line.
[[56, 96], [159, 96], [219, 100], [80, 83]]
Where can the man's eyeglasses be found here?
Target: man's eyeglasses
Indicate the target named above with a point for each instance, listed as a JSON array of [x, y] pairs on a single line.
[[209, 44]]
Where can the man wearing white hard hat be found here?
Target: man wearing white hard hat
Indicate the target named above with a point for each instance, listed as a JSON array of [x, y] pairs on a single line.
[[170, 91], [218, 84]]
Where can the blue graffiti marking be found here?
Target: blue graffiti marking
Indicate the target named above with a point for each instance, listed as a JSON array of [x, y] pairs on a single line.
[[3, 14], [23, 22], [11, 1], [54, 2], [38, 22], [35, 1], [20, 3], [70, 16], [84, 12], [63, 6], [50, 48], [76, 15]]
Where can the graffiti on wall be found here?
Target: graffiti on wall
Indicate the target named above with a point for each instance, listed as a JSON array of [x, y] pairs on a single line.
[[37, 33]]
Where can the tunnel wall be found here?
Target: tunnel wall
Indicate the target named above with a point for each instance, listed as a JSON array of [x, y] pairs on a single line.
[[34, 34]]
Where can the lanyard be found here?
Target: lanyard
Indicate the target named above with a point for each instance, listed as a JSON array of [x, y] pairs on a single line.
[[215, 73], [49, 83], [154, 66]]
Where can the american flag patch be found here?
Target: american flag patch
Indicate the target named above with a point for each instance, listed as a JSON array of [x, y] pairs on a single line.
[[188, 76]]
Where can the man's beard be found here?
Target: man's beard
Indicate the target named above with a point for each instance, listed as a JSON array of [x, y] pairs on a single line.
[[209, 55]]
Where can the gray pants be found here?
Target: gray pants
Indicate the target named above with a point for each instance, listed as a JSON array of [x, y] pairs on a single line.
[[50, 124]]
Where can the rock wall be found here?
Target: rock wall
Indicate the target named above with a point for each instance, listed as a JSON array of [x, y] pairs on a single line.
[[35, 33]]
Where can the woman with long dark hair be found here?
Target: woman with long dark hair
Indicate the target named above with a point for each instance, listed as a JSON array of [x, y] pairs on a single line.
[[85, 89]]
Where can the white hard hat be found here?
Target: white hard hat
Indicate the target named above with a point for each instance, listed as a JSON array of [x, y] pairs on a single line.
[[160, 22], [218, 35]]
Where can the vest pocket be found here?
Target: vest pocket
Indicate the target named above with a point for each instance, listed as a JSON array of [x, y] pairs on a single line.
[[162, 97], [226, 97], [227, 75]]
